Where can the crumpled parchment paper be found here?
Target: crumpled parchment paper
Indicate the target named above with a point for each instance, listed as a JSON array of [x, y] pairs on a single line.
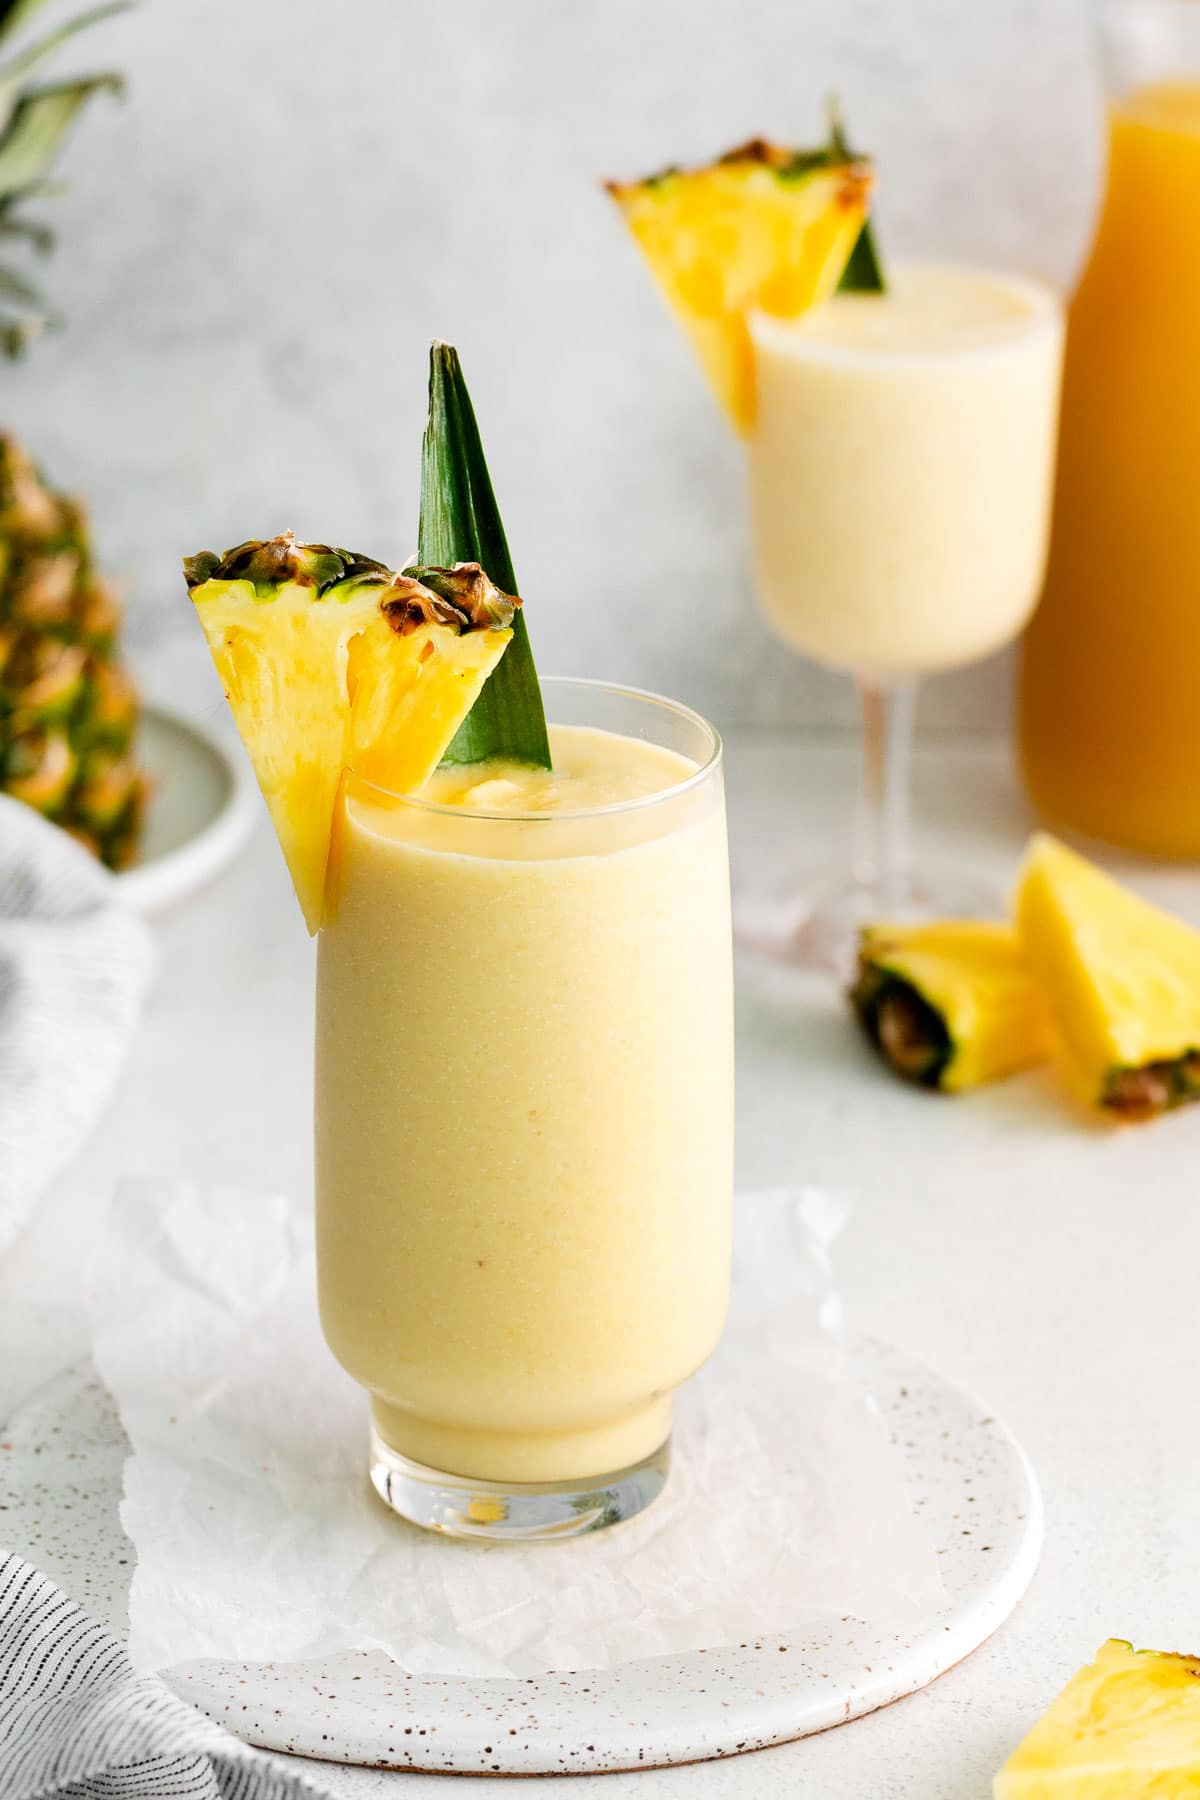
[[258, 1537]]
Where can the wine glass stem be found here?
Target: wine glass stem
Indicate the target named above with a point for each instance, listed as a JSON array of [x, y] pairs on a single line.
[[881, 864]]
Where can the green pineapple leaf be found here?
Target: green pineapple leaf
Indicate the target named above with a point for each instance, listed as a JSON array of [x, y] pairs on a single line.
[[38, 126], [863, 273], [18, 331], [14, 286], [34, 122], [31, 231], [24, 312], [460, 522], [24, 60], [14, 14]]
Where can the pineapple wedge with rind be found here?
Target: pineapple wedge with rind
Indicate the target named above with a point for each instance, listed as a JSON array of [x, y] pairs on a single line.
[[1126, 1727], [952, 1004], [764, 229], [332, 661], [1122, 979]]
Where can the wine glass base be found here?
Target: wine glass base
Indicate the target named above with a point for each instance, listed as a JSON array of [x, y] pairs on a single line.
[[514, 1512], [815, 923]]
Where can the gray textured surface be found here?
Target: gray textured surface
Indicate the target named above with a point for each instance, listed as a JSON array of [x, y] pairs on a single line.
[[60, 1488], [298, 194]]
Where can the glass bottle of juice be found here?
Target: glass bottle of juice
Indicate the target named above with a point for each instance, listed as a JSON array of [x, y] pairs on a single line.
[[1110, 680]]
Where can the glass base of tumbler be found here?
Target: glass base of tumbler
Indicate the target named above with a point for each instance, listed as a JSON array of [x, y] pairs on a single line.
[[814, 924], [514, 1512]]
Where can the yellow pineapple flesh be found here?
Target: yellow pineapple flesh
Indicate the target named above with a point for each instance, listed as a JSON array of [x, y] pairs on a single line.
[[332, 661], [763, 229], [950, 1004], [1122, 979], [1126, 1727]]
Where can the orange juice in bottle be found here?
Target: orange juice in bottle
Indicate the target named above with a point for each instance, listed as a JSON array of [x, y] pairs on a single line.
[[1110, 679]]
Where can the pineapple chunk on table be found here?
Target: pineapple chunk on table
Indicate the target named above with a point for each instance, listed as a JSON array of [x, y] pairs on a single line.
[[1126, 1727], [1122, 979], [950, 1004]]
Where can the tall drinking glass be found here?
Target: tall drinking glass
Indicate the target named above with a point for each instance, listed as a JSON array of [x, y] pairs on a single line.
[[900, 475], [524, 1134]]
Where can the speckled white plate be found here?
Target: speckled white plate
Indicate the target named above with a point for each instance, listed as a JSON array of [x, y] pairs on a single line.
[[201, 809], [60, 1477]]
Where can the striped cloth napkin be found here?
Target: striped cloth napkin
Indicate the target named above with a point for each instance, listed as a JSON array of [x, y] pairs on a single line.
[[76, 1722], [74, 963]]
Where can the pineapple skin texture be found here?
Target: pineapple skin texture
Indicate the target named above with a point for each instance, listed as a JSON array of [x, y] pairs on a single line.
[[974, 974], [68, 708], [1122, 977], [1126, 1727], [738, 236]]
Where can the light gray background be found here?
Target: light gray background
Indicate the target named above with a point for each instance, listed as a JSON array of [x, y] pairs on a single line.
[[297, 194]]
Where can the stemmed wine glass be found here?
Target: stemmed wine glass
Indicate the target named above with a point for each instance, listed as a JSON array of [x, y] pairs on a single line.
[[901, 467]]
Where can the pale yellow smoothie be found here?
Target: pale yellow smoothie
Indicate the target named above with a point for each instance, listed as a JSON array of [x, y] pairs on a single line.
[[901, 468], [524, 1088]]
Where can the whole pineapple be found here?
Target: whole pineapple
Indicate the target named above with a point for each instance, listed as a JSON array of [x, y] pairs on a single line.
[[68, 710]]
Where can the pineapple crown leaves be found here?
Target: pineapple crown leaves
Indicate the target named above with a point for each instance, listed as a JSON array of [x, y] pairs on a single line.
[[34, 122], [462, 597]]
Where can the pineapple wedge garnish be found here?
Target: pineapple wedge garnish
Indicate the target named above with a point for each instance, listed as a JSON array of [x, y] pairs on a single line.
[[1122, 979], [950, 1005], [762, 229], [332, 661], [1127, 1727]]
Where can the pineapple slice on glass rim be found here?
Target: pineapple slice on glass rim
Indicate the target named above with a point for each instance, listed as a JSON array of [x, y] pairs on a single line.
[[762, 229], [332, 661]]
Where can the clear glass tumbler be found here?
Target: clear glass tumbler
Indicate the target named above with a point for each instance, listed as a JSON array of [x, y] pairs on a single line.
[[524, 1131]]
